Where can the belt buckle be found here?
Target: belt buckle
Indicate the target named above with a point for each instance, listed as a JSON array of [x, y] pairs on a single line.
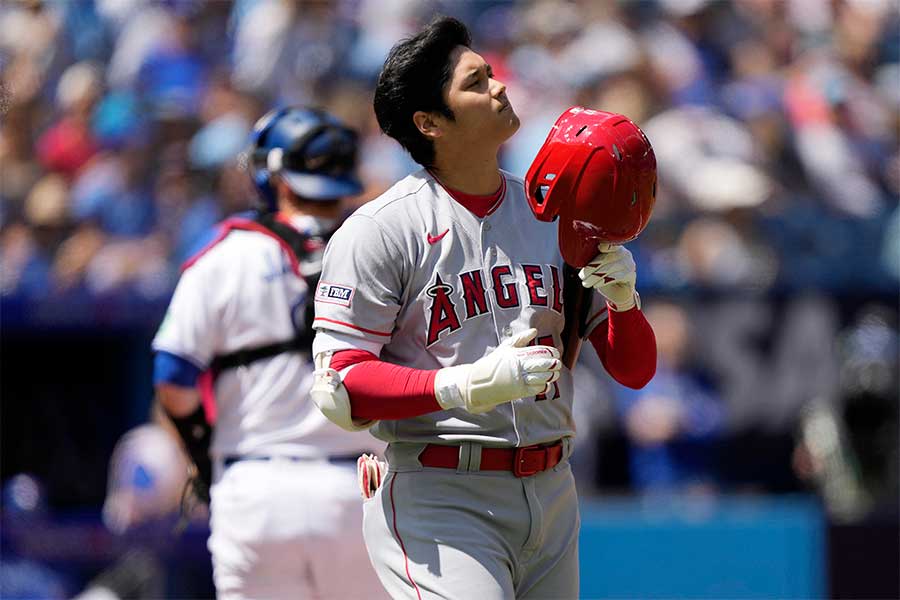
[[519, 467]]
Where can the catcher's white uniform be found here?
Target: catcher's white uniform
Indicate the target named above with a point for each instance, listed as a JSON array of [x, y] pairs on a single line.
[[285, 511]]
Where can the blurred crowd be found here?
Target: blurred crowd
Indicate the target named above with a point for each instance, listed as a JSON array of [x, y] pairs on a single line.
[[770, 270], [775, 125]]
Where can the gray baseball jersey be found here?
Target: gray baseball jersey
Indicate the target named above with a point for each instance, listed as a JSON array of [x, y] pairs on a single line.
[[420, 276]]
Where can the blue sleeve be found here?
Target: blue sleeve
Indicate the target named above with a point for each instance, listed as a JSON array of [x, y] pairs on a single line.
[[171, 368]]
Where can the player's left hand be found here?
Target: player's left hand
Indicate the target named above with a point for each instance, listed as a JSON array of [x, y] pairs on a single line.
[[612, 273]]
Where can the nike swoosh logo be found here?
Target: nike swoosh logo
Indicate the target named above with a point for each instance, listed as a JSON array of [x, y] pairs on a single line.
[[434, 239]]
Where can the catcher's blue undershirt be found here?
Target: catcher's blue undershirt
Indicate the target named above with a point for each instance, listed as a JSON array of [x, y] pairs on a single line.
[[173, 369]]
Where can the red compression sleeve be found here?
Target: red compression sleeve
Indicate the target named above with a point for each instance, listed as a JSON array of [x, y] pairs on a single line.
[[383, 391], [627, 347]]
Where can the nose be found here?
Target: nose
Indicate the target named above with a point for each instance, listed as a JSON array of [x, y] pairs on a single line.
[[499, 88]]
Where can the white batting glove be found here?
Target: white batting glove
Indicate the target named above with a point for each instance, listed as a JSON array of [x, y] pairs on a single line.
[[514, 370], [612, 273]]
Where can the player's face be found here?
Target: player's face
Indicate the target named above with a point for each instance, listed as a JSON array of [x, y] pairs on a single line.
[[481, 109]]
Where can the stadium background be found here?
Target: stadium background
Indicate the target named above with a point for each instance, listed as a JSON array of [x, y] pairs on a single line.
[[763, 459]]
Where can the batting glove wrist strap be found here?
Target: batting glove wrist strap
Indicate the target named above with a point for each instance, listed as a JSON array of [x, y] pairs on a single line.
[[613, 274], [514, 370]]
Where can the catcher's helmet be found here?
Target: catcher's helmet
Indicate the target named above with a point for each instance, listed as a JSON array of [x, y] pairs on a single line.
[[597, 172], [313, 151]]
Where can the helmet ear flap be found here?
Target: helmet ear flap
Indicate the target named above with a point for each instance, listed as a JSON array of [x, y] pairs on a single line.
[[260, 172], [538, 184]]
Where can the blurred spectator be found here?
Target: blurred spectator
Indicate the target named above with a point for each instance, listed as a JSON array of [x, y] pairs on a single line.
[[25, 505], [147, 475], [69, 144], [109, 192], [673, 424], [172, 76], [782, 111]]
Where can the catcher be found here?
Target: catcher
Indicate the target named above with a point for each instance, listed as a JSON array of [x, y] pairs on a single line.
[[285, 516]]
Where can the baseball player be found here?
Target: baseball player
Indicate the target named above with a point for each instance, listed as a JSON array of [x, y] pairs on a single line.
[[285, 517], [439, 317]]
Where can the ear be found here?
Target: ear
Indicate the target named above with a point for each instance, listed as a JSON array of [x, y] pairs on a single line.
[[428, 124]]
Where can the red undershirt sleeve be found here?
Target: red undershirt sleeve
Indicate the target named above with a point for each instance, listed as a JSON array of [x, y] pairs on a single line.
[[626, 346], [383, 391]]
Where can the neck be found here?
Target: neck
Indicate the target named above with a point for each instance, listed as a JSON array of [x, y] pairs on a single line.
[[467, 171], [289, 209], [291, 206]]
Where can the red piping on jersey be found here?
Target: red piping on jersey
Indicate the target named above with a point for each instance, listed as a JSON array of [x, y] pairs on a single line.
[[400, 539], [480, 206], [190, 262], [500, 196], [235, 223], [363, 329]]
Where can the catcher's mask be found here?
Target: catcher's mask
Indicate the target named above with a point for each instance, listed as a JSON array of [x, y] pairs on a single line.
[[596, 172], [311, 150]]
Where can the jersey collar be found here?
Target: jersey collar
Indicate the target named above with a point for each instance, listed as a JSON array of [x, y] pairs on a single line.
[[480, 206]]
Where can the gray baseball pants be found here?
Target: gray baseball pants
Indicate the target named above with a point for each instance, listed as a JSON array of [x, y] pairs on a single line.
[[463, 534]]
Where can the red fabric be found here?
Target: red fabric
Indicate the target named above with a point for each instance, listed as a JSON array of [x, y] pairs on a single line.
[[231, 224], [626, 346], [206, 384], [384, 391], [480, 206], [66, 147], [522, 461]]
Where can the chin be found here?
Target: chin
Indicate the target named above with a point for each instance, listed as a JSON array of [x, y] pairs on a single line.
[[509, 125], [514, 123]]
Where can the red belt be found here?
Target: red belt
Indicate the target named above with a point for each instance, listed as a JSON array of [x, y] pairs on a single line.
[[523, 462]]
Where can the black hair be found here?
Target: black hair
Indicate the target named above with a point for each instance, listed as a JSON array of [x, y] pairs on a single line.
[[413, 79]]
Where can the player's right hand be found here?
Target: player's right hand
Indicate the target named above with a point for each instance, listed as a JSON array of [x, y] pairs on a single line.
[[514, 370]]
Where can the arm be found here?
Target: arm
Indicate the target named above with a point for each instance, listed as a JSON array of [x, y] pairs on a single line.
[[357, 304], [382, 391], [626, 346], [625, 342], [175, 381], [177, 401], [354, 388]]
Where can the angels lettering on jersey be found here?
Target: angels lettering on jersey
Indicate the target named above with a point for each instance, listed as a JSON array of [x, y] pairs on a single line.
[[446, 315]]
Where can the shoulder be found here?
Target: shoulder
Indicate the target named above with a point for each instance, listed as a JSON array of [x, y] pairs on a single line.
[[392, 215], [514, 181], [398, 199], [229, 240], [515, 186]]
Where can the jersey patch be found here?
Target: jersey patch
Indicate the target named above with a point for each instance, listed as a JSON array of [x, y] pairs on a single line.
[[331, 293]]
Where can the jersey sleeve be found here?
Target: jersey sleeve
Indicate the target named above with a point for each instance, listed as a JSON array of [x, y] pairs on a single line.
[[597, 314], [189, 328], [360, 290]]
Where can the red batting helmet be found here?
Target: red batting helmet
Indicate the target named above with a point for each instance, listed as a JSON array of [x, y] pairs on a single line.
[[597, 172]]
